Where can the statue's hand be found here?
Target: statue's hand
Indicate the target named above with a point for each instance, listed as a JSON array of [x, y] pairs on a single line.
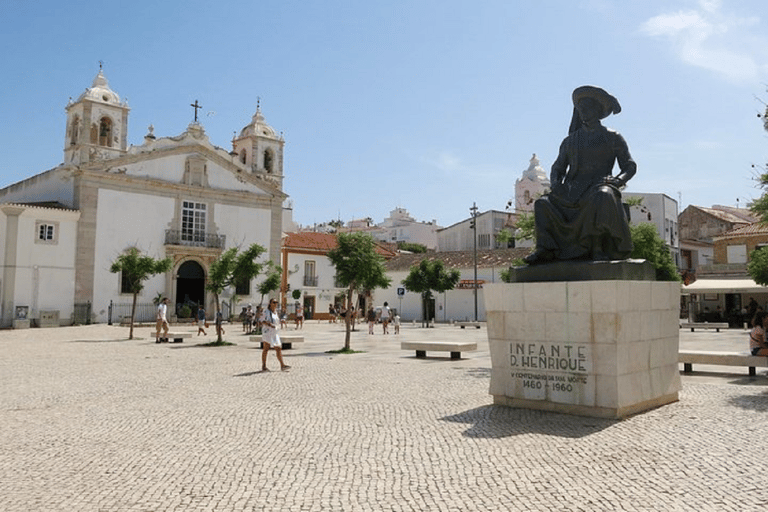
[[613, 181]]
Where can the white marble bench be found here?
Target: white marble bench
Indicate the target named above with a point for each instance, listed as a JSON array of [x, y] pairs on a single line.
[[468, 324], [455, 348], [287, 340], [177, 337], [704, 325], [691, 357]]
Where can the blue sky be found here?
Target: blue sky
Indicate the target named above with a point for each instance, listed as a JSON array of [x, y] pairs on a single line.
[[426, 105]]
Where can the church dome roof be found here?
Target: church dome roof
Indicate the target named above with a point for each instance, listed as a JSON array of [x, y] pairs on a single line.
[[100, 91], [535, 172], [258, 126]]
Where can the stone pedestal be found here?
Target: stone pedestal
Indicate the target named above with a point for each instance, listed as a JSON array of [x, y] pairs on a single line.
[[604, 349]]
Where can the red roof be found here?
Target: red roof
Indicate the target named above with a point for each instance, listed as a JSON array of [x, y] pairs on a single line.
[[309, 241]]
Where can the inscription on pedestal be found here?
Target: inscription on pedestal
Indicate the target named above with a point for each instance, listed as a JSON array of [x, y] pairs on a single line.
[[557, 372]]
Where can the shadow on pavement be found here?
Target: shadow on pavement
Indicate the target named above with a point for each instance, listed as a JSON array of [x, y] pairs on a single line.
[[496, 422]]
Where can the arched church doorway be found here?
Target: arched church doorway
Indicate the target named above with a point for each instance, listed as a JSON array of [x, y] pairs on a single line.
[[190, 284]]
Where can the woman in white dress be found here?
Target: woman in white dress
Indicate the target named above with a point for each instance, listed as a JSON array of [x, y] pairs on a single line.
[[270, 322]]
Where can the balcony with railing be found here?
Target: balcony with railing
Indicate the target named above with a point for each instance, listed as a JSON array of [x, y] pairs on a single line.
[[199, 239], [310, 280]]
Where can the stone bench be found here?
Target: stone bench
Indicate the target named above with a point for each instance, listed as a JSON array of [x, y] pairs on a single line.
[[287, 340], [177, 337], [455, 348], [704, 325], [468, 324], [691, 357]]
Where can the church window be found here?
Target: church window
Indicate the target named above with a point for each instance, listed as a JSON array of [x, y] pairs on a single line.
[[105, 132], [75, 131], [243, 287], [125, 283], [243, 156], [46, 232], [193, 222], [268, 160]]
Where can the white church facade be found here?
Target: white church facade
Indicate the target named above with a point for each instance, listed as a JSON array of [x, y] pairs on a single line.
[[179, 197]]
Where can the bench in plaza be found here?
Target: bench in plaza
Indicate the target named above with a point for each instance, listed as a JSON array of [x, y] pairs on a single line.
[[691, 357], [177, 337], [455, 348], [287, 340], [468, 324], [704, 325]]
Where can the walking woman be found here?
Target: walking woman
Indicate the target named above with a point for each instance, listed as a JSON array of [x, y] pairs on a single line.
[[270, 322]]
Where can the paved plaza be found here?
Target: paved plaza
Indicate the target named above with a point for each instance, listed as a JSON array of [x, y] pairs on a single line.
[[93, 422]]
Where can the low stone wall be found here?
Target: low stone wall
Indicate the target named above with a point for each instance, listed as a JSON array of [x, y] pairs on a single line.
[[593, 348]]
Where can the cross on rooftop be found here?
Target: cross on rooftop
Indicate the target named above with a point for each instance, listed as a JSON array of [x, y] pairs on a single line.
[[196, 106]]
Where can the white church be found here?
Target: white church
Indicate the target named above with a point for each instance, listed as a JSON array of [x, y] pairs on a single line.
[[179, 197]]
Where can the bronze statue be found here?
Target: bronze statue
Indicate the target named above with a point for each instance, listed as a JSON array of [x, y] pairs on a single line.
[[582, 217]]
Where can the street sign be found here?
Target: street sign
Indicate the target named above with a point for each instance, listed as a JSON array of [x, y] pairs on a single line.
[[400, 292]]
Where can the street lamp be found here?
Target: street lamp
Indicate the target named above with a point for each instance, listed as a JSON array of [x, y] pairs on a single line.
[[473, 227]]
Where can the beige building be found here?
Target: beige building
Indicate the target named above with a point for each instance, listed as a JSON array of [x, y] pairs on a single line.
[[180, 197]]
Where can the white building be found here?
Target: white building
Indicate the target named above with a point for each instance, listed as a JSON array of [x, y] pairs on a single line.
[[661, 211], [454, 305], [401, 227], [533, 184], [308, 271], [459, 236], [179, 197]]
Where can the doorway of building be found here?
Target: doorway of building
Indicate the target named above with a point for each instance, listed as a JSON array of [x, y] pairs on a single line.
[[190, 285], [309, 306]]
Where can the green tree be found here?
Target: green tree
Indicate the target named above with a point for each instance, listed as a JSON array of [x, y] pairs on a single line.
[[232, 267], [357, 265], [412, 247], [271, 283], [428, 276], [135, 270], [758, 266], [760, 205], [525, 227], [648, 245]]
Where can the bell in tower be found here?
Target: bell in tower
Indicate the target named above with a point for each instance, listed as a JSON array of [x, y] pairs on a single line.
[[97, 124]]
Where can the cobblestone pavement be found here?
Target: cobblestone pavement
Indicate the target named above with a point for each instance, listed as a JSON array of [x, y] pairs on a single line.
[[92, 422]]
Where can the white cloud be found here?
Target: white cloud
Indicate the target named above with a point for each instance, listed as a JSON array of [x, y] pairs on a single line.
[[712, 39]]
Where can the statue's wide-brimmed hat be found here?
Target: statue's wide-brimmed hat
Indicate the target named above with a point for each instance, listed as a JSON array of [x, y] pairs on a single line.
[[610, 104]]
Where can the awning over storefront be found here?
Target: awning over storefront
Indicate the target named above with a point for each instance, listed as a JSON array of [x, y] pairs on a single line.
[[724, 286]]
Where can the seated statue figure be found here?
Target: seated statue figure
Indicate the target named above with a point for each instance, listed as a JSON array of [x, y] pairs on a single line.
[[582, 217]]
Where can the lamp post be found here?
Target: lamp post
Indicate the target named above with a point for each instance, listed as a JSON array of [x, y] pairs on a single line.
[[473, 226]]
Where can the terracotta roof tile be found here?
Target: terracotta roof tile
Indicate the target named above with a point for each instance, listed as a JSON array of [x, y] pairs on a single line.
[[460, 259], [756, 228], [321, 243]]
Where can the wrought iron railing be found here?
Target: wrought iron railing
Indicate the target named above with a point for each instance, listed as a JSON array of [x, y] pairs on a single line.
[[310, 280], [177, 237]]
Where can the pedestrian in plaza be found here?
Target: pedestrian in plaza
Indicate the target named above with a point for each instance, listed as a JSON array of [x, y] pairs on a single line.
[[396, 323], [331, 314], [371, 320], [270, 337], [200, 321], [283, 319], [162, 321], [758, 345], [385, 314], [299, 316]]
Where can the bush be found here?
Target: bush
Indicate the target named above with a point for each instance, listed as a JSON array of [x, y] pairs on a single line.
[[185, 311]]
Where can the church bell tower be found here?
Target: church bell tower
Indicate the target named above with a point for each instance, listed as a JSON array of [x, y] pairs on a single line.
[[97, 125], [260, 149]]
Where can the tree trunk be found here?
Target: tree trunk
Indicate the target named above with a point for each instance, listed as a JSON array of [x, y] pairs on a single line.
[[347, 320], [216, 320], [133, 314]]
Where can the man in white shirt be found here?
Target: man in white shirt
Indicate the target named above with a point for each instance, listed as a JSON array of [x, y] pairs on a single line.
[[162, 321]]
